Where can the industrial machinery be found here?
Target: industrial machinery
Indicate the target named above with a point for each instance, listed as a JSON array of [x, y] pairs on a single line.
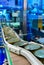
[[35, 17], [33, 51], [29, 19]]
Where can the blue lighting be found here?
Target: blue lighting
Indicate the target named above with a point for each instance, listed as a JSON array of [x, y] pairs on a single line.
[[4, 12], [36, 6], [0, 12], [1, 5], [43, 14]]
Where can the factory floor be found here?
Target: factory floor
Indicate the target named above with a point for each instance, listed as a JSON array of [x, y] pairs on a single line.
[[18, 60]]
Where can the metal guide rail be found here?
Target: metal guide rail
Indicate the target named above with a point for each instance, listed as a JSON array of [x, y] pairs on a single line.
[[4, 53]]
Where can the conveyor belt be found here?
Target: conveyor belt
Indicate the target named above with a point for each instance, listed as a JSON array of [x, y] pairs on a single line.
[[3, 51], [29, 54]]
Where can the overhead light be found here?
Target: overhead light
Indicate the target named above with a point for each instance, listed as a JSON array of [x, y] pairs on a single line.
[[43, 14], [1, 5]]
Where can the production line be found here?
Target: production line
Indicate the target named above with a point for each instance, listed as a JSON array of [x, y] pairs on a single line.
[[21, 32], [33, 47]]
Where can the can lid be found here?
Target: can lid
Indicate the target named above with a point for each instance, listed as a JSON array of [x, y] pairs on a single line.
[[39, 53], [32, 46], [20, 44]]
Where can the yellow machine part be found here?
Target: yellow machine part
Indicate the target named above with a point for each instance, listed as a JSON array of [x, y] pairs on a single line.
[[40, 23]]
